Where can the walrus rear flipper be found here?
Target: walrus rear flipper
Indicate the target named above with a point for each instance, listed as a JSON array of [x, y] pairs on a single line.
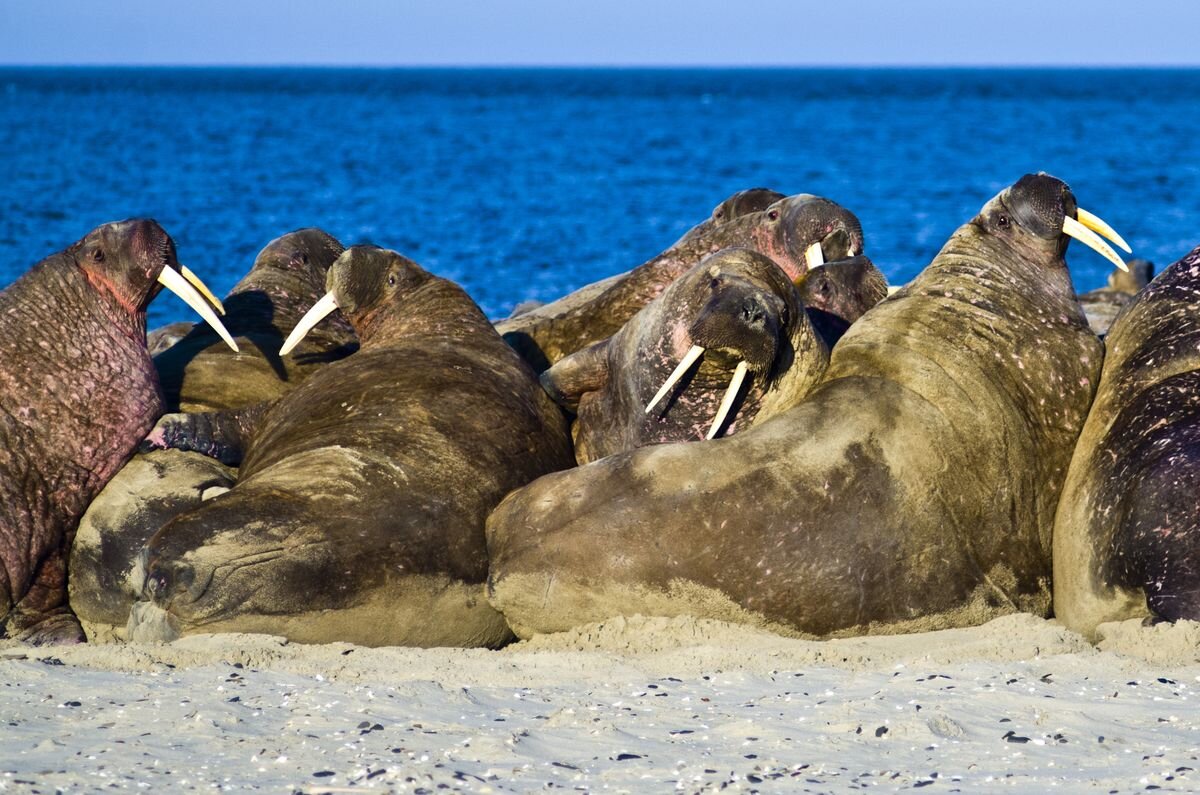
[[218, 434]]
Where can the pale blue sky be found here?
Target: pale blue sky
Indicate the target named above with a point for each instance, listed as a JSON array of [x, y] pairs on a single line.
[[607, 32]]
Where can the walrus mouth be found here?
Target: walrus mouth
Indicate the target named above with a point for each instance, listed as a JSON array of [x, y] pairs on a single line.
[[731, 392], [1088, 228], [311, 318]]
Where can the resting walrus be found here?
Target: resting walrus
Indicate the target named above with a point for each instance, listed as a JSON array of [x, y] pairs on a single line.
[[797, 232], [359, 508], [914, 488], [77, 394], [727, 344], [1127, 534]]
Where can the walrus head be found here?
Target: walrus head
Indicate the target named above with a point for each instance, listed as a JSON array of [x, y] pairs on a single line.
[[362, 281], [744, 202], [803, 231], [130, 261]]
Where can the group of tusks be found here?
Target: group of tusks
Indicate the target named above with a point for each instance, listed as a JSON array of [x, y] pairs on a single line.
[[1086, 228]]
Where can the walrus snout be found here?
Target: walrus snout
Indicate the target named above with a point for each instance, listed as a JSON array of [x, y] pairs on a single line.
[[168, 580], [746, 322], [1039, 202]]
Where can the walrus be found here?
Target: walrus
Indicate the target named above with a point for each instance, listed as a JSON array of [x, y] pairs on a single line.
[[797, 232], [77, 393], [359, 507], [726, 344], [1127, 534], [914, 488], [199, 374], [744, 202], [1103, 304], [838, 293]]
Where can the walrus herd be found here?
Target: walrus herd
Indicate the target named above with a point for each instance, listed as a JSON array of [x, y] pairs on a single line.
[[751, 426]]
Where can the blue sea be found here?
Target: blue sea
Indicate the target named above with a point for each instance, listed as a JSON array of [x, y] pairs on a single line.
[[526, 184]]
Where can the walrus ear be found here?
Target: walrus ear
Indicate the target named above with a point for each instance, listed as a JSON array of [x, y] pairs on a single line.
[[582, 372]]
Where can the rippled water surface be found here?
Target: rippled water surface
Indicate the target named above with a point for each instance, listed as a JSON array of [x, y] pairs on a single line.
[[528, 183]]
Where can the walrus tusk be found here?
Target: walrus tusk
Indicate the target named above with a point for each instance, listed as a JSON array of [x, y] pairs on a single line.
[[176, 283], [311, 318], [735, 386], [1092, 240], [684, 364], [1097, 224], [814, 256], [203, 288]]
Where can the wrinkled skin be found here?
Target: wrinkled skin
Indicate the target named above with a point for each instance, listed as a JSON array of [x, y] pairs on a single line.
[[77, 393], [1102, 305], [838, 293], [358, 513], [744, 202], [200, 373], [783, 232], [914, 488], [1127, 534], [736, 303]]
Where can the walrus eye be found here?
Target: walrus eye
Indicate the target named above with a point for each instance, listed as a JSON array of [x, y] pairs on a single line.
[[1002, 219], [392, 280], [719, 214], [98, 255], [773, 215], [715, 283]]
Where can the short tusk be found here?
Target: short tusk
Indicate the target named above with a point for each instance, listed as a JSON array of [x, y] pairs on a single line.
[[203, 288], [735, 386], [814, 256], [680, 369], [176, 283], [1097, 224], [311, 318], [1092, 240]]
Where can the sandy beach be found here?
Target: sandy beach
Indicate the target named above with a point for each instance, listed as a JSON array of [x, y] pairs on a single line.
[[629, 705]]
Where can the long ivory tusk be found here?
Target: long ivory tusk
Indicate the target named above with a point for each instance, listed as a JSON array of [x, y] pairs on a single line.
[[173, 281], [684, 364], [203, 288], [1092, 240], [1097, 224], [735, 386], [311, 318], [814, 256]]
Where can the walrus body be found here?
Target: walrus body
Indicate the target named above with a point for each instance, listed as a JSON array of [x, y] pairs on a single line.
[[77, 393], [914, 488], [359, 508], [737, 305], [1127, 535], [199, 373], [785, 232]]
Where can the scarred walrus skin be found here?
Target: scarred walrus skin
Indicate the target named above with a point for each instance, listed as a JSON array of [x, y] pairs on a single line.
[[736, 311], [77, 394], [1127, 534], [359, 509], [198, 373], [914, 488], [795, 232]]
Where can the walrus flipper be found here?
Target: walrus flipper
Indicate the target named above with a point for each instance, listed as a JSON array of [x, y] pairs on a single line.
[[581, 372], [222, 435]]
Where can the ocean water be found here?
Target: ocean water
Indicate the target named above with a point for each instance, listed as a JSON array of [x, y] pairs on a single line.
[[526, 184]]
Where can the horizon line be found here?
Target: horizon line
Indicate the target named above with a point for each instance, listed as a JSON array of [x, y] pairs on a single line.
[[583, 66]]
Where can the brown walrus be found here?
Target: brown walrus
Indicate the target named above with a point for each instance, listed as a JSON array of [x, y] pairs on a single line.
[[743, 202], [838, 293], [359, 508], [797, 232], [198, 373], [1127, 534], [733, 334], [77, 393], [914, 488]]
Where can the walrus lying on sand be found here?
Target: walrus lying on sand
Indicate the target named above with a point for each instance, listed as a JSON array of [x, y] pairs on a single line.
[[914, 488], [1127, 534], [359, 508], [77, 393], [726, 344], [797, 232]]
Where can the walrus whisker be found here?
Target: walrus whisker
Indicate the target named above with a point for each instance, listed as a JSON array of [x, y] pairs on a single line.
[[814, 255], [1098, 225], [173, 281], [203, 288], [735, 386], [680, 369], [312, 317], [1086, 236]]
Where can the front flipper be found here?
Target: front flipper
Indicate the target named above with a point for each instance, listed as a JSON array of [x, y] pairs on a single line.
[[222, 435], [582, 372]]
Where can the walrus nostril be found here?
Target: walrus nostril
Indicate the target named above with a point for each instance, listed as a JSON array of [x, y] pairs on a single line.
[[753, 313]]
